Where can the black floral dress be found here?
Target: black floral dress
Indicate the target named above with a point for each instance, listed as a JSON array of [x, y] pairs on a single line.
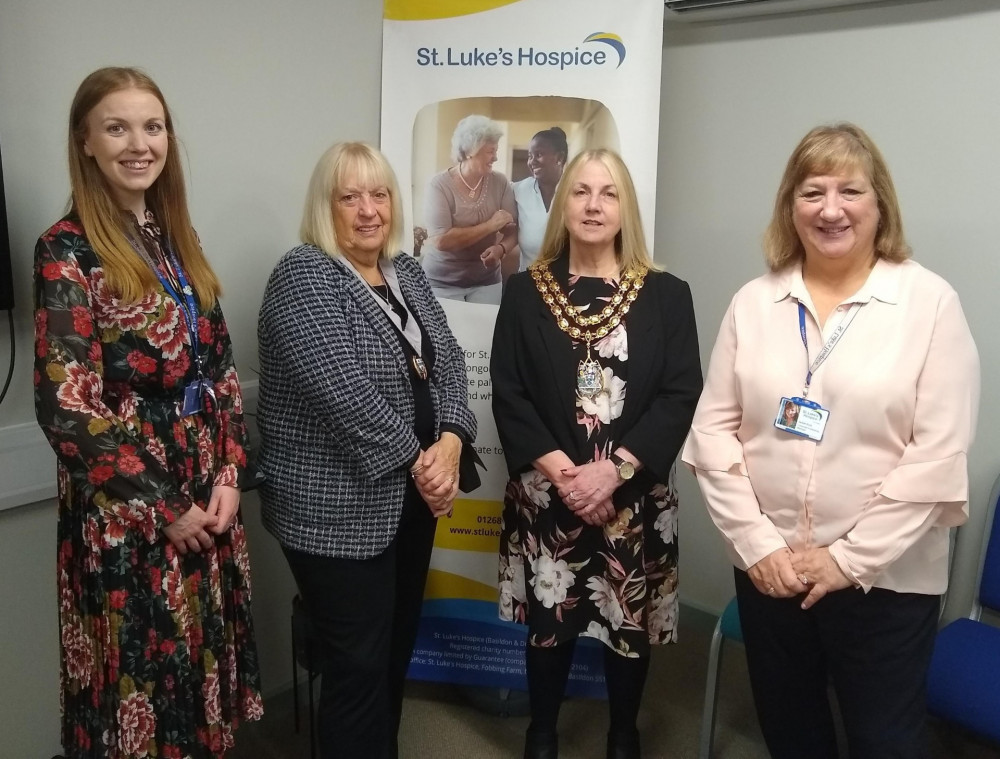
[[158, 653], [564, 578]]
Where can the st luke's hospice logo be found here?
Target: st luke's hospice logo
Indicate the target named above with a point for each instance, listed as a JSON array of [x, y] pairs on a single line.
[[525, 56]]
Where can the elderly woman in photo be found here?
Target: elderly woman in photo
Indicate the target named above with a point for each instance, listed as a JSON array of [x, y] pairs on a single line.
[[469, 213], [136, 390], [363, 415], [595, 377], [838, 529], [547, 155]]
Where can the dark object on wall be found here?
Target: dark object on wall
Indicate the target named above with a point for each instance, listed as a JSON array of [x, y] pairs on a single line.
[[6, 276]]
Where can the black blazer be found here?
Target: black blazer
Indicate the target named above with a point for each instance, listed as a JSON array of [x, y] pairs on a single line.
[[534, 396]]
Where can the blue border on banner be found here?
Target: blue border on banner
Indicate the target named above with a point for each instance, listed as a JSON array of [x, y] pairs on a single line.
[[464, 642]]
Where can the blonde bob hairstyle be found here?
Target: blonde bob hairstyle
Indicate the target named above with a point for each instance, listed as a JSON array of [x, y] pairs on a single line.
[[105, 224], [630, 242], [343, 164], [826, 150]]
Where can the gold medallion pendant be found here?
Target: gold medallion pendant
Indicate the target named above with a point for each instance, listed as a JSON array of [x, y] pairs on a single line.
[[589, 377]]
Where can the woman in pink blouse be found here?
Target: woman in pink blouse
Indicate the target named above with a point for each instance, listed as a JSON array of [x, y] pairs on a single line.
[[838, 525]]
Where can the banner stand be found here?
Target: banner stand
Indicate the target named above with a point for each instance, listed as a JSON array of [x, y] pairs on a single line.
[[524, 66]]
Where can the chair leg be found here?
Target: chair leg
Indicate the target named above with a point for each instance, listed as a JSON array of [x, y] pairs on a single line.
[[312, 706], [707, 737], [295, 677]]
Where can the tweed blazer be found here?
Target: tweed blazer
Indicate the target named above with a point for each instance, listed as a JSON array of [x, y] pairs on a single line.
[[336, 408]]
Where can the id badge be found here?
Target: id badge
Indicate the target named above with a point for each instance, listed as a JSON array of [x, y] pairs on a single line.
[[802, 417], [191, 404], [195, 396]]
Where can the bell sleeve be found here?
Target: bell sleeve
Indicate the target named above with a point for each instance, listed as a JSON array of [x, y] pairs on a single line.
[[930, 484], [714, 453]]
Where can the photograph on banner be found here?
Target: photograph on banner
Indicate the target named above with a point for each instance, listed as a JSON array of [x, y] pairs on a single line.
[[484, 172]]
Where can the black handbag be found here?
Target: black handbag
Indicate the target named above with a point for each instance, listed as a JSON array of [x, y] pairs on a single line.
[[251, 477], [468, 475]]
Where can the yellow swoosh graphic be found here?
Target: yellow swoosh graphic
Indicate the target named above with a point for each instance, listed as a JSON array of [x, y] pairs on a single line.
[[422, 10]]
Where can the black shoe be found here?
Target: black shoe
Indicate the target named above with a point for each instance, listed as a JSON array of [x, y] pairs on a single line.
[[541, 744], [623, 746]]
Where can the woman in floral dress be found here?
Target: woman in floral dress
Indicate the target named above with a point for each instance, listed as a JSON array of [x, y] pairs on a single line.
[[136, 391], [596, 375]]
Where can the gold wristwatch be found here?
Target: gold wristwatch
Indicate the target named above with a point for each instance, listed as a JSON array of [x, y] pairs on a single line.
[[626, 469]]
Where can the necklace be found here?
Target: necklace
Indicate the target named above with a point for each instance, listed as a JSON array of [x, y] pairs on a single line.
[[589, 373], [381, 291], [471, 189]]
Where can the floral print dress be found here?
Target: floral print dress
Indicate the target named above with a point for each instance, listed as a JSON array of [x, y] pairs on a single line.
[[158, 654], [564, 578]]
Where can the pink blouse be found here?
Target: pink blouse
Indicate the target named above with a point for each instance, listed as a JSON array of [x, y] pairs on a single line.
[[889, 476]]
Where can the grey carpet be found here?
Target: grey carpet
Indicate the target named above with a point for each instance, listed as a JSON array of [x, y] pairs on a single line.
[[440, 722]]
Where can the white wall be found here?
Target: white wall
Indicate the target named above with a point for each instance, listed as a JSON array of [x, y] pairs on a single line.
[[923, 79], [260, 89]]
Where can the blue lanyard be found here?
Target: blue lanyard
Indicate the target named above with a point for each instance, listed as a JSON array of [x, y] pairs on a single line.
[[187, 303], [830, 344]]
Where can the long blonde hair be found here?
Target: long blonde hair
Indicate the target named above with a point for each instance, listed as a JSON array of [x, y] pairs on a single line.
[[128, 276], [630, 242]]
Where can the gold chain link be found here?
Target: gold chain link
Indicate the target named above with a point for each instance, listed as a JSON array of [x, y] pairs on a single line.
[[568, 316]]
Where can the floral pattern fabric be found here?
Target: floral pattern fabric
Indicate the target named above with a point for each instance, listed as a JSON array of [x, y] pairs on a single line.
[[158, 654], [564, 578]]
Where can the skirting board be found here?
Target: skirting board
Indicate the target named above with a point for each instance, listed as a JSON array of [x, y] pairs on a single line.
[[28, 465]]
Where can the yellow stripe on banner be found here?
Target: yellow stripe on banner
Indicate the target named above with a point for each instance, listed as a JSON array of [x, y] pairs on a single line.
[[447, 585], [473, 526], [422, 10]]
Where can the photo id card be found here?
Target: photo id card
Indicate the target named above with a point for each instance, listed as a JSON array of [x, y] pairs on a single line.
[[194, 397], [803, 417]]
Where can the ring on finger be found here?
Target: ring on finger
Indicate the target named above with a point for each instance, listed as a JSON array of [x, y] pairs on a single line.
[[770, 590]]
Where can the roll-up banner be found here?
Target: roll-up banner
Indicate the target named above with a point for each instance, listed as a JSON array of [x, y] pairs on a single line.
[[591, 68]]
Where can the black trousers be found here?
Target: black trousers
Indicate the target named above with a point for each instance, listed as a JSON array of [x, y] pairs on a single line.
[[367, 613], [874, 647]]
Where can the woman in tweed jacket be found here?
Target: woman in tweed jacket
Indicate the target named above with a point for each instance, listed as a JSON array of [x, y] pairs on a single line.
[[362, 414]]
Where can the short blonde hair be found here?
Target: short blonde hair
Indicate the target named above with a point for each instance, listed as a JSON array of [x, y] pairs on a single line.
[[630, 242], [341, 164], [833, 150], [471, 133]]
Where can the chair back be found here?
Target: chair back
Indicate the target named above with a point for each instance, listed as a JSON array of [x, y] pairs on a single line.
[[989, 580]]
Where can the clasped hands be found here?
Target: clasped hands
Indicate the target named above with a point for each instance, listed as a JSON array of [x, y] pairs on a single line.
[[194, 530], [786, 573], [587, 490], [435, 473]]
